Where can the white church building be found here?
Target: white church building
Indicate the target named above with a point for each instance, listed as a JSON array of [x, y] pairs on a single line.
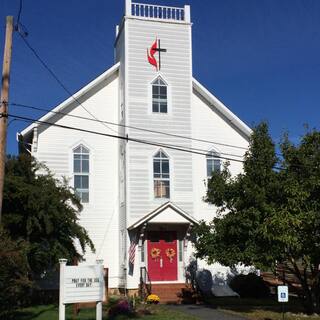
[[146, 137]]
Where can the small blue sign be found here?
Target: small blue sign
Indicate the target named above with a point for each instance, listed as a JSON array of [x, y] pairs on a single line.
[[283, 294]]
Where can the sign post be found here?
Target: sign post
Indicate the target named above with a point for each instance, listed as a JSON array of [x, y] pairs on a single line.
[[84, 283], [62, 307], [283, 296], [99, 303]]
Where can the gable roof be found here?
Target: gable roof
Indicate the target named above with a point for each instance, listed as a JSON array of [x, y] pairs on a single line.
[[105, 75], [197, 86], [153, 214], [221, 108]]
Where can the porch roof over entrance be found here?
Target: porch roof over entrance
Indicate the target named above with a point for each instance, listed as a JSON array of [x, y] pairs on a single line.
[[166, 213]]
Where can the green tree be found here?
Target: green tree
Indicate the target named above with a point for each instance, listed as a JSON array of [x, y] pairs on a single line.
[[270, 212], [14, 282], [43, 212]]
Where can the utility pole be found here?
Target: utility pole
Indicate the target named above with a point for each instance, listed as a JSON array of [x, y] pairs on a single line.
[[4, 102]]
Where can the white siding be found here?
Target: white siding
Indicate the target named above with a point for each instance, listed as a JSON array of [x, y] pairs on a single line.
[[210, 125], [121, 187], [176, 70], [120, 56], [55, 145]]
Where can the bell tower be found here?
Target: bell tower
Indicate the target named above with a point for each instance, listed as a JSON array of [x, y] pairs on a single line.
[[153, 46]]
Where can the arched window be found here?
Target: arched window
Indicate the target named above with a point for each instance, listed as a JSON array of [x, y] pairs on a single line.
[[81, 172], [161, 175], [213, 163], [159, 96]]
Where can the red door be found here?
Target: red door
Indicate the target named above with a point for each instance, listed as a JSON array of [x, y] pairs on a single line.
[[162, 255]]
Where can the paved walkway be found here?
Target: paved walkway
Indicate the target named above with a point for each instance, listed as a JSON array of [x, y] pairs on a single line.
[[204, 312]]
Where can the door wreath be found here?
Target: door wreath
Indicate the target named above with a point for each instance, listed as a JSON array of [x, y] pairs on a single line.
[[170, 253], [155, 253]]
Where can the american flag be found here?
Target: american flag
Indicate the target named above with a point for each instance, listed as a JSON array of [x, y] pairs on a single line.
[[132, 249]]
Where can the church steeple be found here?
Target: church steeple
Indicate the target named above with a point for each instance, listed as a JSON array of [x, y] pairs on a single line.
[[154, 49], [156, 12]]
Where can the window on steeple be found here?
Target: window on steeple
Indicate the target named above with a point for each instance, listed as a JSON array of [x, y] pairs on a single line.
[[161, 175], [159, 96]]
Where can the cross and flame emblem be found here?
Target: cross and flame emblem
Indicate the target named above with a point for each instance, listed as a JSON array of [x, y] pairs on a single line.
[[156, 47]]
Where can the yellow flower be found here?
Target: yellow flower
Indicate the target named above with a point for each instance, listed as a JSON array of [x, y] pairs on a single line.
[[153, 298]]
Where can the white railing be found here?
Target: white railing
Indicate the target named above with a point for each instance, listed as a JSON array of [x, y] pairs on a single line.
[[150, 11]]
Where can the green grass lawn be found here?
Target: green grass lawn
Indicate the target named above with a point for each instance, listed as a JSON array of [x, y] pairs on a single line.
[[262, 309], [50, 312], [266, 309]]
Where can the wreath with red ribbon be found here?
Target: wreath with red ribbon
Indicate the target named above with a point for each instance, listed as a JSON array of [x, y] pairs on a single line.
[[155, 253], [170, 253]]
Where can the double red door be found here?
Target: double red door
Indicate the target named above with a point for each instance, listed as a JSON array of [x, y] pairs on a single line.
[[162, 255]]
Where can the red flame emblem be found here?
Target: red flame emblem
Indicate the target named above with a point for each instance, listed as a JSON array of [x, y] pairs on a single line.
[[150, 53]]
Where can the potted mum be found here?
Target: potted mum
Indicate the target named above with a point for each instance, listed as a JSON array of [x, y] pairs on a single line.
[[153, 299]]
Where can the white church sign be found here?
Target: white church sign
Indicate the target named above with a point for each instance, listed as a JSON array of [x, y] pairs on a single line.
[[81, 284]]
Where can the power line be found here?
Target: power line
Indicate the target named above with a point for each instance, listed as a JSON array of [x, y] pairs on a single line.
[[208, 152], [23, 34], [19, 27], [116, 124], [19, 13], [12, 120], [147, 142], [163, 145], [46, 66], [130, 127]]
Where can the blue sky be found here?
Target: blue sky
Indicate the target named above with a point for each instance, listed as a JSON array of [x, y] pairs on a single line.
[[260, 57]]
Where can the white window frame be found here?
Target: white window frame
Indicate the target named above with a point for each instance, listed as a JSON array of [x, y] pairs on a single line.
[[167, 157], [159, 84], [150, 97], [81, 173], [213, 156]]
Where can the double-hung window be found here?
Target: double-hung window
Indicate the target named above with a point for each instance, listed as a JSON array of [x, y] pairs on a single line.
[[159, 96], [213, 163], [161, 175], [81, 172]]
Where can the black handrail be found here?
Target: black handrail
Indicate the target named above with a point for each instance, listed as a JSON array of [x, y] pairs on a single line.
[[145, 283]]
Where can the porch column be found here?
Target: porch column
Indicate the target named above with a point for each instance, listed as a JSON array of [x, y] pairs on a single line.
[[185, 250], [141, 253]]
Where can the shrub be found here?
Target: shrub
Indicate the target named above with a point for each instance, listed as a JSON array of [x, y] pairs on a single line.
[[249, 286], [119, 306], [189, 296], [14, 282]]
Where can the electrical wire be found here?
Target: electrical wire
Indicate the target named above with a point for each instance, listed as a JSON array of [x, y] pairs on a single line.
[[19, 13], [46, 66], [19, 27], [12, 120], [126, 138], [209, 152], [147, 142], [127, 126], [23, 34]]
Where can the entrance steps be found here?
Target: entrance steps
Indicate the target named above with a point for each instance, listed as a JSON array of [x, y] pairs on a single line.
[[169, 293]]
